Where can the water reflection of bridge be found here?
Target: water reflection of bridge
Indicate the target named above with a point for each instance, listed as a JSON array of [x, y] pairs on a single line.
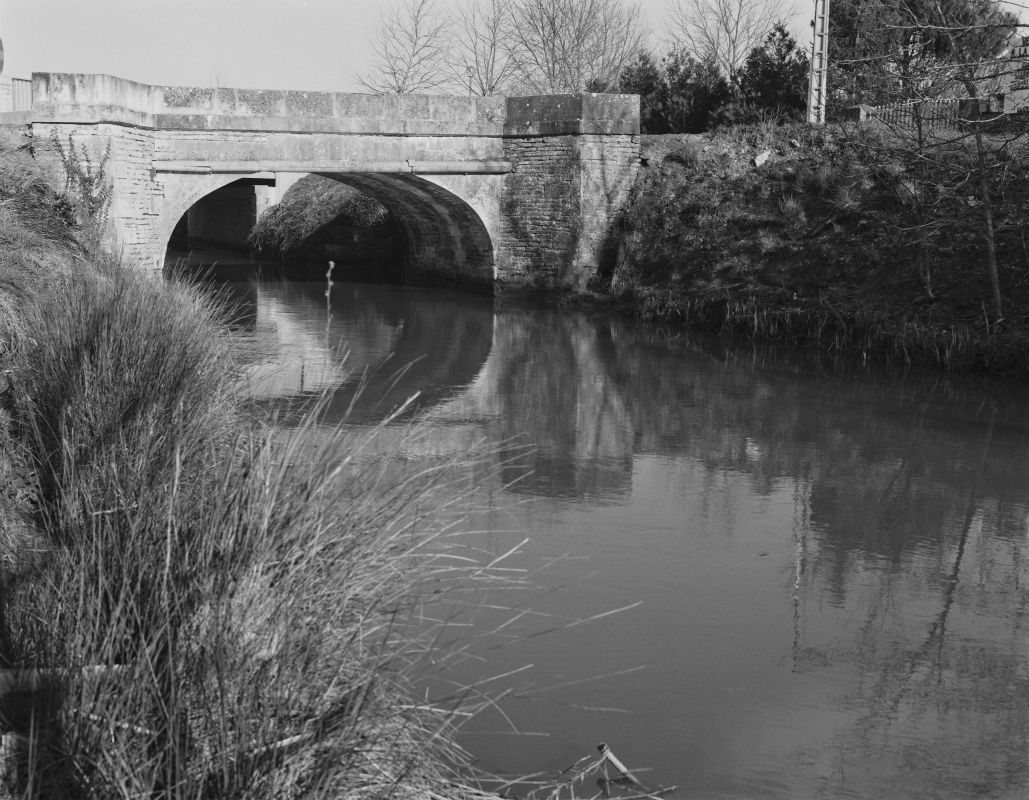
[[572, 401], [532, 384], [364, 350]]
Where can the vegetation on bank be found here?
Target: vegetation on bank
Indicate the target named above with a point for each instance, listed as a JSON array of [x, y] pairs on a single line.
[[311, 205], [320, 219], [855, 239], [201, 605], [902, 236]]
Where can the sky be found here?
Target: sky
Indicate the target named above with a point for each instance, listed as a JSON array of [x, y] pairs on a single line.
[[264, 44]]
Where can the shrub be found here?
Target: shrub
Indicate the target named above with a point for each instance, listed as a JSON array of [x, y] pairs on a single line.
[[679, 96], [684, 154], [749, 125], [792, 210], [822, 181], [846, 199], [86, 180], [309, 205]]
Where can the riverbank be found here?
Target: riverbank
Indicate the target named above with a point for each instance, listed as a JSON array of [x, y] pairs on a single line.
[[851, 240], [219, 607]]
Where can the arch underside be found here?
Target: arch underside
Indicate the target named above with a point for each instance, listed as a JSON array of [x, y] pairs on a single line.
[[446, 240]]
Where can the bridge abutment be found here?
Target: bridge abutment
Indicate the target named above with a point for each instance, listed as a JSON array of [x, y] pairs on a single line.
[[513, 193], [575, 158]]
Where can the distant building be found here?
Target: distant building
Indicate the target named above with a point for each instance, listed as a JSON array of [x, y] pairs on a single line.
[[15, 93], [1017, 96]]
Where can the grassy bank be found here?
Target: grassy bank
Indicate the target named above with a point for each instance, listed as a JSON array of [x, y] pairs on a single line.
[[201, 605], [852, 240]]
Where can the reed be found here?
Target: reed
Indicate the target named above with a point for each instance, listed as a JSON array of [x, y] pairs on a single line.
[[212, 607], [867, 332], [846, 330], [606, 771], [37, 244]]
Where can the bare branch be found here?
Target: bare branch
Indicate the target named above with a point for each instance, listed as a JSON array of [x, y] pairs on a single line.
[[572, 45], [992, 26], [410, 49], [484, 61], [724, 31]]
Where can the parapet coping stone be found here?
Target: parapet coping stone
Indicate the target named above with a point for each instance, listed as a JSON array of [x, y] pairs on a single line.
[[94, 99]]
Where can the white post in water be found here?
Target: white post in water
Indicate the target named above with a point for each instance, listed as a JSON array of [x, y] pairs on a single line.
[[817, 71]]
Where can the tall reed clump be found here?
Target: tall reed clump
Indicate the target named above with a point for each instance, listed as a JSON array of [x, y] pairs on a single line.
[[212, 608], [37, 244]]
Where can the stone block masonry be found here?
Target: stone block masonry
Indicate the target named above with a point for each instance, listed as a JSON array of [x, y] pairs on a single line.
[[507, 193]]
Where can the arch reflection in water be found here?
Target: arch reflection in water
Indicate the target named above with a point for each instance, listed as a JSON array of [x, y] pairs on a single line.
[[370, 348], [833, 563]]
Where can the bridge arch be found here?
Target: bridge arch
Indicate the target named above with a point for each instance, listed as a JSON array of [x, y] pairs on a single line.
[[181, 196], [447, 239]]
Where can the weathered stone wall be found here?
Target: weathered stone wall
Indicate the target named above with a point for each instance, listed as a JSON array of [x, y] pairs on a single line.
[[575, 158], [540, 211], [608, 167], [134, 208], [137, 204]]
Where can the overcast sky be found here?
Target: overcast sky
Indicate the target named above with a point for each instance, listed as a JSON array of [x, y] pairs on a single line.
[[268, 44]]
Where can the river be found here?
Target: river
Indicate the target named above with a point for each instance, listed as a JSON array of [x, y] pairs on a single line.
[[823, 568]]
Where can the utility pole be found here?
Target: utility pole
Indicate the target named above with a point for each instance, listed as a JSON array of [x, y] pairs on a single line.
[[819, 63]]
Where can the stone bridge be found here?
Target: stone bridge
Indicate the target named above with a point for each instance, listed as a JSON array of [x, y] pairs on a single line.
[[518, 192]]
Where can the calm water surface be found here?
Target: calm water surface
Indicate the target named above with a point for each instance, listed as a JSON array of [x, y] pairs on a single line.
[[831, 564]]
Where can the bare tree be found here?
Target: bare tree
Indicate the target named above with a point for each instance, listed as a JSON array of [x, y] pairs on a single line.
[[942, 60], [724, 31], [975, 34], [572, 45], [484, 60], [410, 49]]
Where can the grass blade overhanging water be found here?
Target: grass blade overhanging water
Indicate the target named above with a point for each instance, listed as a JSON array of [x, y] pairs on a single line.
[[220, 608]]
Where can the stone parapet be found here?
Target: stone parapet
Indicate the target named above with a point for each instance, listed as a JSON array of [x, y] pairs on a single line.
[[63, 97]]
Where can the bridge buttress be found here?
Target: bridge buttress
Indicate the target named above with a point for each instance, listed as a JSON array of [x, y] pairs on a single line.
[[575, 159]]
